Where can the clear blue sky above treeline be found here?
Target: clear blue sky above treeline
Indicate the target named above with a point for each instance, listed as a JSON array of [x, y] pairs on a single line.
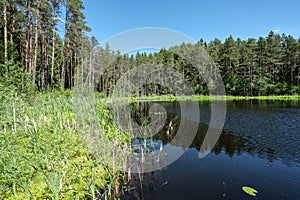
[[207, 19]]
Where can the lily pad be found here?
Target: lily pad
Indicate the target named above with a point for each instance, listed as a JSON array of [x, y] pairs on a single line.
[[249, 190]]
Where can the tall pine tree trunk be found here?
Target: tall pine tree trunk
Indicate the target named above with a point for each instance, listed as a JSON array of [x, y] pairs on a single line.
[[27, 38], [74, 69], [12, 24], [5, 31], [35, 43], [46, 63], [43, 60], [65, 56], [53, 49], [30, 41]]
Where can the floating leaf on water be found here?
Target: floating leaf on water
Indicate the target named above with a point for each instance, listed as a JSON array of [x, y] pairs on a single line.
[[249, 190]]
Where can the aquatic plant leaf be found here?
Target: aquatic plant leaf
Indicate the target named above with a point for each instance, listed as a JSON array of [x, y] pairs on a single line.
[[249, 190]]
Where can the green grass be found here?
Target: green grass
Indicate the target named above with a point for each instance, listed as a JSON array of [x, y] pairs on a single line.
[[206, 98], [42, 153]]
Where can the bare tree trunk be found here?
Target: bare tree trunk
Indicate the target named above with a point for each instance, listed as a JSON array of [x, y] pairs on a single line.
[[35, 42], [27, 39], [53, 48], [62, 79], [46, 63], [12, 24], [22, 55], [43, 61], [65, 56], [74, 69], [5, 31], [30, 42], [70, 71]]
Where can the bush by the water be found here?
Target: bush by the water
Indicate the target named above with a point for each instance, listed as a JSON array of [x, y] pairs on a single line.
[[42, 153]]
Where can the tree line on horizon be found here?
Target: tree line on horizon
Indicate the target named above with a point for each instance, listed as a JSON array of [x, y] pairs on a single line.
[[263, 66], [42, 44], [252, 67]]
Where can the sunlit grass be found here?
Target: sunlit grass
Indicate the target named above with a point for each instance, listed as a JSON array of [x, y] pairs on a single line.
[[42, 152], [204, 98]]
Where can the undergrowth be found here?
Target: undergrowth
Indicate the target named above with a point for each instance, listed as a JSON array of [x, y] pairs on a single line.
[[42, 155]]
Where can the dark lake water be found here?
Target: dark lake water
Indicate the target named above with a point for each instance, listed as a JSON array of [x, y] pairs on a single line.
[[259, 147]]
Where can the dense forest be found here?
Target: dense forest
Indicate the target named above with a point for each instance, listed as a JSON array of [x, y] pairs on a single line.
[[42, 43], [252, 67], [263, 66]]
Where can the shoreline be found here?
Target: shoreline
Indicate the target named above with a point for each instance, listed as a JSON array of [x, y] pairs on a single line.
[[204, 98]]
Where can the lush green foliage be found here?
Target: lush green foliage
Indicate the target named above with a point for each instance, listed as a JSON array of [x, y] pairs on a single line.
[[267, 66], [42, 152], [30, 35]]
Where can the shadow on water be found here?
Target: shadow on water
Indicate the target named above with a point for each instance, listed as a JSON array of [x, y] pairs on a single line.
[[259, 147]]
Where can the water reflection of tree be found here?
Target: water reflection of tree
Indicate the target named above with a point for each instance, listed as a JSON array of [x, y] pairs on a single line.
[[229, 142]]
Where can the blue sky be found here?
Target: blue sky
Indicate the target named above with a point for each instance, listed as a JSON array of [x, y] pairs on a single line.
[[207, 19]]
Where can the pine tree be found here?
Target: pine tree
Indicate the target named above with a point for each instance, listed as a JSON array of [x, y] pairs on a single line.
[[5, 30]]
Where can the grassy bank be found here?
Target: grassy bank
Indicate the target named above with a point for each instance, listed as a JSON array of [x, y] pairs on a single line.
[[42, 153], [209, 98]]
